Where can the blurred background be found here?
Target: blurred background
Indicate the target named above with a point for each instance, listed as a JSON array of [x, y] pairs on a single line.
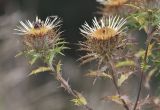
[[42, 92]]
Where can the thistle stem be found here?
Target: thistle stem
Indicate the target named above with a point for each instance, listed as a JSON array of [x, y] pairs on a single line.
[[65, 85], [139, 90], [141, 71], [141, 80], [115, 84]]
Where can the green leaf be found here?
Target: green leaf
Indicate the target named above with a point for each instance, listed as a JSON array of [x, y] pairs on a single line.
[[58, 67], [145, 66], [33, 60], [150, 48], [80, 100], [123, 77], [32, 56], [140, 53], [125, 63], [50, 58], [39, 70]]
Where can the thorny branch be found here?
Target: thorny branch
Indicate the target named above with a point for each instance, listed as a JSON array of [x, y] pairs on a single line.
[[149, 38], [66, 86], [115, 84]]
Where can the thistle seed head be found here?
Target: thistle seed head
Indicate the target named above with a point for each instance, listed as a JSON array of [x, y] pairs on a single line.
[[114, 7], [103, 38], [39, 35], [112, 2]]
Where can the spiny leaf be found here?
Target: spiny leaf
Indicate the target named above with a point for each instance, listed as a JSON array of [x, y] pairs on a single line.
[[123, 77], [33, 60], [58, 67], [140, 53], [148, 77], [61, 43], [117, 99], [132, 6], [79, 100], [19, 54], [32, 55], [39, 70], [140, 20], [125, 63], [98, 74], [144, 66], [150, 47], [50, 59]]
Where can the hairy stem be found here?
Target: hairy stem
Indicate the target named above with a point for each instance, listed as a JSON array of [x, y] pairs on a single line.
[[115, 84]]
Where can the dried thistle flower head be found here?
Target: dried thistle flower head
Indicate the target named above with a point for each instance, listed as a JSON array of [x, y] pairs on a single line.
[[39, 34], [116, 2], [38, 26], [103, 38], [40, 37], [114, 7], [112, 2]]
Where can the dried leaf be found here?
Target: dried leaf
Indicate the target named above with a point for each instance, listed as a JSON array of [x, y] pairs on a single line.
[[122, 78], [117, 99], [39, 70], [150, 47], [18, 54], [98, 74]]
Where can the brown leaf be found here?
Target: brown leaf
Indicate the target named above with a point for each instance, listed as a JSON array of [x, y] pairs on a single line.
[[117, 99], [98, 74]]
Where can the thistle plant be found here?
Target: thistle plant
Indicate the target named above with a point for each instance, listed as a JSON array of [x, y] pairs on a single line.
[[108, 43], [42, 41], [104, 41]]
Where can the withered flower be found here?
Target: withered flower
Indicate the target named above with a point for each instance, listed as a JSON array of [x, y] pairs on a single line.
[[113, 2], [114, 7], [40, 38], [103, 38]]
